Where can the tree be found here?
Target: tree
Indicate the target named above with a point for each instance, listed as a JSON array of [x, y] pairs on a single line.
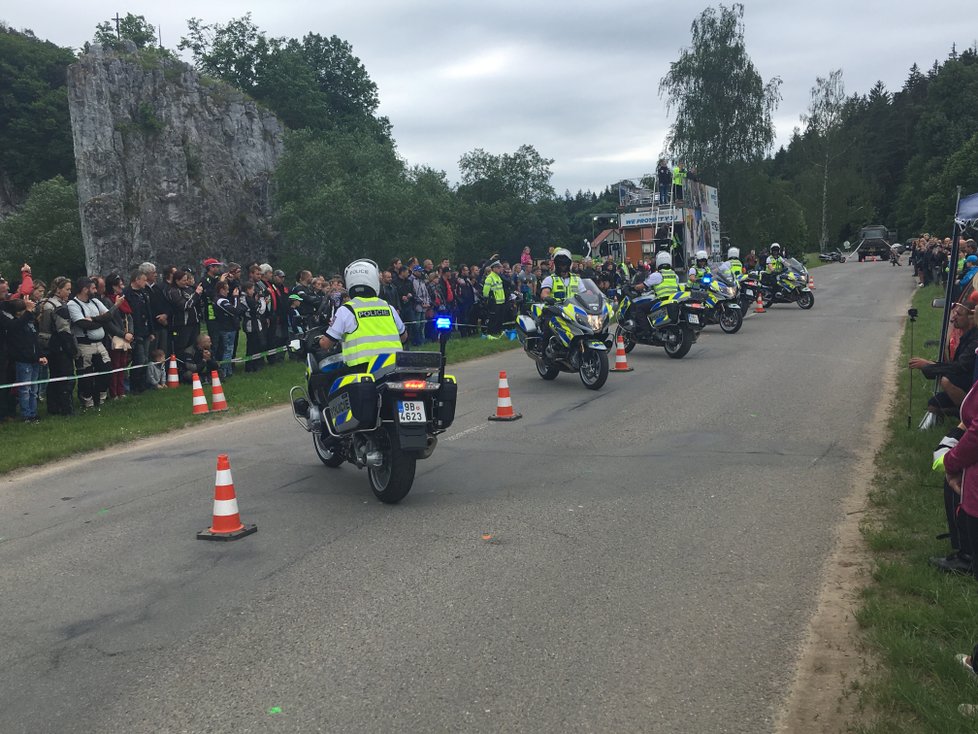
[[131, 28], [824, 118], [35, 132], [46, 231], [524, 175], [723, 109], [315, 83]]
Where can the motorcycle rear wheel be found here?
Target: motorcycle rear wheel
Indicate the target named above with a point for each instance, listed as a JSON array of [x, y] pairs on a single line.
[[806, 300], [392, 480], [731, 320], [678, 350], [594, 369], [329, 455], [547, 370]]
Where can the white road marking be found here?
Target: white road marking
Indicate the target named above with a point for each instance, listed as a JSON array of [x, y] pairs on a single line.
[[467, 431]]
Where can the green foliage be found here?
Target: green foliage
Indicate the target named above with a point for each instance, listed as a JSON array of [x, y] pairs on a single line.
[[35, 132], [131, 28], [314, 83], [146, 119], [46, 231]]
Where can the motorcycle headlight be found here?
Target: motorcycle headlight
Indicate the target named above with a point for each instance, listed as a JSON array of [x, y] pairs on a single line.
[[596, 321], [728, 291]]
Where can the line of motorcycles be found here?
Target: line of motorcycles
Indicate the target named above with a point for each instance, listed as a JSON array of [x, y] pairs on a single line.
[[575, 335], [388, 417]]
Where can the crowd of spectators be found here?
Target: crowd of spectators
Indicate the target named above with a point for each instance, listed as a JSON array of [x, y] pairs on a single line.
[[112, 335]]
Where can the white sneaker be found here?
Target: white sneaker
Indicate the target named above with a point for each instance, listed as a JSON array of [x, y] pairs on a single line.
[[920, 285]]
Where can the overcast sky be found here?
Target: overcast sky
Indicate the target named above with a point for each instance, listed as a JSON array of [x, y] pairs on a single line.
[[578, 81]]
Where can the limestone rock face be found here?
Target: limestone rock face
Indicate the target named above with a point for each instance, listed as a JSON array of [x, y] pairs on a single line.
[[172, 167]]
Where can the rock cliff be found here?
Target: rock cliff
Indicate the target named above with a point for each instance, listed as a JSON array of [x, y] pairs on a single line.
[[172, 167]]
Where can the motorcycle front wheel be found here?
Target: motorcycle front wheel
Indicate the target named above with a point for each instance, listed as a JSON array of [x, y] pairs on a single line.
[[731, 319], [329, 454], [547, 370], [681, 347], [392, 480], [594, 369], [626, 338], [806, 300]]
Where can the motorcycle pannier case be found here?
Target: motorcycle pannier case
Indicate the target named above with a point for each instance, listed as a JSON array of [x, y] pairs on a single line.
[[352, 404], [444, 405]]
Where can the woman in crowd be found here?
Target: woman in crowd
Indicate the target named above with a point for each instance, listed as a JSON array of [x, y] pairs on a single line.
[[54, 332], [184, 299], [119, 334]]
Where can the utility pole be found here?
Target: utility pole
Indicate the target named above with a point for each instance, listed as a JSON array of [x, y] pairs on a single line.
[[118, 33]]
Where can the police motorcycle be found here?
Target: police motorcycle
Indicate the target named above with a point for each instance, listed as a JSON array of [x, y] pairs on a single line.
[[748, 287], [569, 336], [718, 294], [673, 322], [788, 286], [384, 418]]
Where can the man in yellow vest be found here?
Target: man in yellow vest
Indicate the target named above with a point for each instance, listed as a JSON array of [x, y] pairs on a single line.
[[678, 181], [365, 325], [494, 294], [563, 282]]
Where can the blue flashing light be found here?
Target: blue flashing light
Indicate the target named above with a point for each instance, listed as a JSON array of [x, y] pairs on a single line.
[[707, 279], [443, 323]]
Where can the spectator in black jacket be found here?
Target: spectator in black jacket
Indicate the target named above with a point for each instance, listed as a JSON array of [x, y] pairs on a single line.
[[663, 175], [199, 359], [955, 376], [159, 306], [184, 300], [24, 350], [138, 298], [387, 289], [228, 309]]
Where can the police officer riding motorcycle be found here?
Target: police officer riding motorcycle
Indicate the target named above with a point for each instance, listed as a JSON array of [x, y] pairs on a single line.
[[568, 332], [785, 280], [367, 401], [659, 312]]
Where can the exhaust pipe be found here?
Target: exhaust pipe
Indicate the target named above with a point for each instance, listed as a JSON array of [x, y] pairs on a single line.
[[430, 448]]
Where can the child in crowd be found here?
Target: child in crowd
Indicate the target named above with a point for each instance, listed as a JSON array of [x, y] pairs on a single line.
[[156, 370]]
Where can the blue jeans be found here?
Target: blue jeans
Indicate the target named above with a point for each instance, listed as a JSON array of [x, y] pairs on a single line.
[[27, 394], [225, 351]]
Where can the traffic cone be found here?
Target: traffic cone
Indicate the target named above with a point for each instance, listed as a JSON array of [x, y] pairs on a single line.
[[811, 283], [621, 361], [759, 308], [218, 403], [227, 523], [172, 378], [200, 402], [504, 406]]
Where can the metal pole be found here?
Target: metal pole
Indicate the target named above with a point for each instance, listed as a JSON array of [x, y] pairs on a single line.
[[952, 273]]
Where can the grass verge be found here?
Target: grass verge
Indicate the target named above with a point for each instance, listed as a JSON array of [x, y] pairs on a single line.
[[914, 617], [160, 411]]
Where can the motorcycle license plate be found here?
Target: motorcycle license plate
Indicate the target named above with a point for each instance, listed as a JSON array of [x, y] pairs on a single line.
[[749, 291], [411, 411], [693, 318]]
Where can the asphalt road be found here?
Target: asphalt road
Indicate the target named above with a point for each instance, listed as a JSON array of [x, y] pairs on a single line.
[[654, 560]]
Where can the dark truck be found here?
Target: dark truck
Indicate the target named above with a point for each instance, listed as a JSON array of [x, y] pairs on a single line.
[[875, 239]]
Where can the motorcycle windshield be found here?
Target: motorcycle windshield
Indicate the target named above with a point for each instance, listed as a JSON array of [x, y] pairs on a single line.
[[591, 299], [793, 264], [724, 274]]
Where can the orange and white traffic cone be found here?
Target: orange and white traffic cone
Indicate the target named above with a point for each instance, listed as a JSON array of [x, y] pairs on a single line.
[[200, 402], [759, 308], [621, 361], [172, 378], [504, 405], [811, 283], [218, 403], [226, 524]]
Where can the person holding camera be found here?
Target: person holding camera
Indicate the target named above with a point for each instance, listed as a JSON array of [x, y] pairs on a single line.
[[88, 318]]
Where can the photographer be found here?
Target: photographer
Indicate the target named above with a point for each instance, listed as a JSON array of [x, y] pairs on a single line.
[[88, 316]]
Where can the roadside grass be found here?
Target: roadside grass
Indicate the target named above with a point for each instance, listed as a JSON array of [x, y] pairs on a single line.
[[915, 618], [160, 411]]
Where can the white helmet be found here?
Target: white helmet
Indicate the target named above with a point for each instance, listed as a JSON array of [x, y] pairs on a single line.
[[701, 255], [561, 252], [362, 276], [662, 258], [733, 252], [775, 246]]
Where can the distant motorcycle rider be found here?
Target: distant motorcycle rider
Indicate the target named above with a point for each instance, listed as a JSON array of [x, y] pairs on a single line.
[[734, 263], [563, 282], [774, 266], [662, 281], [700, 270]]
